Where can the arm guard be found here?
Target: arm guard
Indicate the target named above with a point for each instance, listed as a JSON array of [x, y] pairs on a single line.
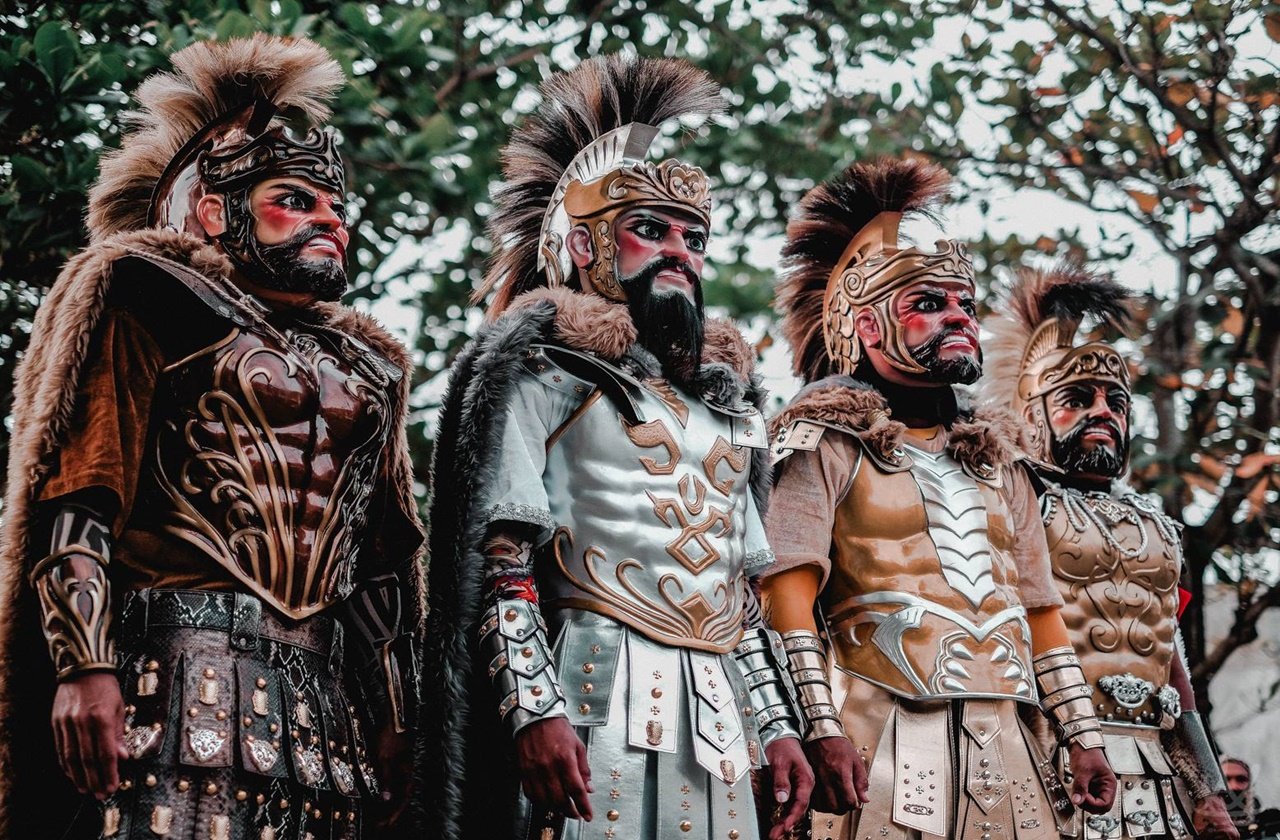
[[763, 663], [387, 665], [807, 660], [75, 594], [1067, 697], [514, 637], [1193, 756]]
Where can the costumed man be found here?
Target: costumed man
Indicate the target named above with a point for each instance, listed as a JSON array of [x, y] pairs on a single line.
[[592, 635], [912, 585], [209, 510], [1116, 556]]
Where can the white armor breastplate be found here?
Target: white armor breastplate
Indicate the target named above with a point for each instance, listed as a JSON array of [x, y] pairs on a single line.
[[652, 516], [957, 521]]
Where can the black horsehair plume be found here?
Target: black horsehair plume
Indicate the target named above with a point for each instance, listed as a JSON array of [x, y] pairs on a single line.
[[577, 107]]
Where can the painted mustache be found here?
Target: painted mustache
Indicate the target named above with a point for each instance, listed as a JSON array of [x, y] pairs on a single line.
[[648, 273], [1084, 428]]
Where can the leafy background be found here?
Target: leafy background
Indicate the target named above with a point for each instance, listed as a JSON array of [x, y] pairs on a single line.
[[1136, 133]]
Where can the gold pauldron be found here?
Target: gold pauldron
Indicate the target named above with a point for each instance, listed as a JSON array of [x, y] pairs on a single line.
[[75, 612], [763, 663], [807, 660], [1065, 695]]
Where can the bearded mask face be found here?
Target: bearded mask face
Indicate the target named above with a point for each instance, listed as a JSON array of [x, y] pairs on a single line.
[[658, 264], [935, 324], [1089, 428], [289, 235]]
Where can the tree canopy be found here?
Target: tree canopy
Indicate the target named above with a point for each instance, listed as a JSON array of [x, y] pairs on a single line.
[[1163, 114]]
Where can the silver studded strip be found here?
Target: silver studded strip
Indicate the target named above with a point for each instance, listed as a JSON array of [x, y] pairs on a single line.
[[514, 637], [1065, 697], [763, 663], [807, 660]]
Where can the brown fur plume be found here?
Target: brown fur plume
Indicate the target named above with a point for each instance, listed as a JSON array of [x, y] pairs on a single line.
[[826, 219], [1069, 291], [209, 79], [578, 106]]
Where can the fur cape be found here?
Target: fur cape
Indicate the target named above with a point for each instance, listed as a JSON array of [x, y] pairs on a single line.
[[45, 393], [988, 436], [467, 781]]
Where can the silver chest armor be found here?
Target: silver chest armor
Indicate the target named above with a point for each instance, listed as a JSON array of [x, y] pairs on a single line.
[[651, 514]]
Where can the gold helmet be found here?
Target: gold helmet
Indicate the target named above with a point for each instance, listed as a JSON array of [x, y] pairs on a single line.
[[580, 160], [1032, 350], [842, 257]]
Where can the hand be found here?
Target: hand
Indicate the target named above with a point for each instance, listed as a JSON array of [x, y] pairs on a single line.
[[393, 766], [792, 782], [842, 776], [553, 767], [88, 732], [1211, 820], [1093, 786]]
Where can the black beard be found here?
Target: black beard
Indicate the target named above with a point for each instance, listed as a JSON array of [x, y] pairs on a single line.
[[1071, 455], [669, 325], [964, 371], [283, 269]]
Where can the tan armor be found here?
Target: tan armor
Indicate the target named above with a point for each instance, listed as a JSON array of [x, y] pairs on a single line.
[[1117, 561], [959, 630], [266, 453]]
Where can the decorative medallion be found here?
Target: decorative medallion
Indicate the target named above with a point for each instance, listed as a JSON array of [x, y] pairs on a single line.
[[263, 755], [310, 766], [161, 820], [302, 712], [653, 732], [1126, 689], [220, 827], [260, 704], [1170, 700], [143, 740], [147, 683], [1104, 824], [111, 822], [343, 778], [726, 771], [205, 743]]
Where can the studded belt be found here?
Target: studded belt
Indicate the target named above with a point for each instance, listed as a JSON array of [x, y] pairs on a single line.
[[239, 614]]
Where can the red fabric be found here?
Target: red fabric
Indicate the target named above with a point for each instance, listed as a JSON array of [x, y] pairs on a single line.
[[1184, 598], [517, 586]]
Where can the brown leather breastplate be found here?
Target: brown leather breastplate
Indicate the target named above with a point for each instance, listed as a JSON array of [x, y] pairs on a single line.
[[267, 446], [922, 598], [1117, 563]]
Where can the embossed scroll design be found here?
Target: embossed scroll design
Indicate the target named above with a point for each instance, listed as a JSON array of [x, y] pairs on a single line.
[[716, 619], [1131, 591], [669, 182], [252, 514]]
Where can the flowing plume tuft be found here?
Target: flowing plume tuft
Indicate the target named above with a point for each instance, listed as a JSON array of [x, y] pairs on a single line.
[[825, 221], [1069, 292], [209, 80], [577, 107]]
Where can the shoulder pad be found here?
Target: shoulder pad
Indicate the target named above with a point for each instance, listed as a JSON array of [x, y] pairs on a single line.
[[591, 371], [543, 368], [800, 435]]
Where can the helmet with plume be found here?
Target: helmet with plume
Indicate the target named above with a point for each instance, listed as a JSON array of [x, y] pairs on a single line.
[[580, 160], [215, 124], [1032, 352], [842, 257]]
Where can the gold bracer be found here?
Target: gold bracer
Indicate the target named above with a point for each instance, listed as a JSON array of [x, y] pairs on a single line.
[[1066, 696], [76, 611], [807, 659]]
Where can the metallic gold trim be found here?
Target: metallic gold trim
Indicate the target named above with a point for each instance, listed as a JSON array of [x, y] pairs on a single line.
[[75, 612], [203, 351], [652, 434]]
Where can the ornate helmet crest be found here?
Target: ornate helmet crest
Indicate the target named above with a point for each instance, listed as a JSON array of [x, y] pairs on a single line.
[[580, 159], [842, 257], [213, 125], [1032, 350]]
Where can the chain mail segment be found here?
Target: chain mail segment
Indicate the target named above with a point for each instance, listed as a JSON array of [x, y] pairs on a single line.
[[807, 661], [1193, 756], [1065, 696], [763, 661], [514, 637]]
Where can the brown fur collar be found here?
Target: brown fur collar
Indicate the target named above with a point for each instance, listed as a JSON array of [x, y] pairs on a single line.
[[988, 436], [45, 387], [593, 324]]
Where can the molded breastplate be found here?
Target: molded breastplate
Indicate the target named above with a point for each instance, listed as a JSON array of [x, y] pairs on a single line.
[[1117, 563], [652, 516], [922, 598], [267, 448]]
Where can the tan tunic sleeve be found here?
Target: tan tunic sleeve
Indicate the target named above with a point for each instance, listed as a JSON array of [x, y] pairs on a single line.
[[108, 431], [1036, 586], [802, 507]]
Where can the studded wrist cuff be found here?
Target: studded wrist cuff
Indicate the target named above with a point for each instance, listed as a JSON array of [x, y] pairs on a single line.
[[764, 667], [76, 612], [1065, 696], [807, 661], [513, 635]]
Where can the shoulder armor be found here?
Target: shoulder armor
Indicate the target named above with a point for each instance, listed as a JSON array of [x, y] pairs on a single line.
[[590, 370], [804, 435], [538, 362]]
